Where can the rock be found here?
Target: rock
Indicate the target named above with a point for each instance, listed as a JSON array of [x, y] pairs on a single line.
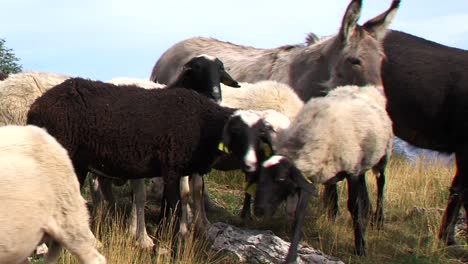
[[254, 246]]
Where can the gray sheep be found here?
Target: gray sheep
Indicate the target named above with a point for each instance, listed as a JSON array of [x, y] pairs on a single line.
[[340, 136]]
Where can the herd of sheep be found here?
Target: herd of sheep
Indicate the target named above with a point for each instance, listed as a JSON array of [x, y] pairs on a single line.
[[190, 117]]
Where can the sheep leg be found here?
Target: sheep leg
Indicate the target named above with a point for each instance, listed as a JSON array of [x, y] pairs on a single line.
[[379, 171], [184, 197], [53, 253], [330, 200], [358, 206], [95, 190], [139, 201], [209, 205], [201, 222], [77, 238], [170, 207], [246, 213], [297, 226], [106, 188], [291, 203]]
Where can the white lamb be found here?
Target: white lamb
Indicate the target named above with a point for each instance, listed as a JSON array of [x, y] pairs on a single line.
[[41, 199], [340, 136]]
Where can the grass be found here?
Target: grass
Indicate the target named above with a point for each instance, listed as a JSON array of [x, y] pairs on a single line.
[[407, 237]]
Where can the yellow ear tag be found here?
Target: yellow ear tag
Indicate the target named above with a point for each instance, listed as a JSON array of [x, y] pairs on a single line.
[[267, 150], [249, 188], [222, 147]]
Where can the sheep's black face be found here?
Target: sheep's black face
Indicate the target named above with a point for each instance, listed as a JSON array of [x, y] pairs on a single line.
[[204, 74], [274, 185], [247, 137]]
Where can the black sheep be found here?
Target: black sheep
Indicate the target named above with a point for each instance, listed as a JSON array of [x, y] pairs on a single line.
[[133, 133]]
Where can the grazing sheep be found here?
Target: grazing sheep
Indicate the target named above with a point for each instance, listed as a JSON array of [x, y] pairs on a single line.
[[143, 134], [41, 199], [19, 91], [274, 102], [340, 136], [277, 103]]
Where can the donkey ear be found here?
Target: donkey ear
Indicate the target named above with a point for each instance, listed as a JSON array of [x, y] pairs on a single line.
[[378, 25], [349, 23], [297, 176]]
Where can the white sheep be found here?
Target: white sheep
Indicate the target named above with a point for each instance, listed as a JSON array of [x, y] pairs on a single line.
[[41, 199], [18, 92], [147, 84], [263, 95], [340, 136]]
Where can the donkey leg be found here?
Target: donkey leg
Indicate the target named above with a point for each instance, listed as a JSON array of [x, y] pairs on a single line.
[[358, 206], [330, 200], [456, 197]]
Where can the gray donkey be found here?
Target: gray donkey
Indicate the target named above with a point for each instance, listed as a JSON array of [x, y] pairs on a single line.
[[353, 56]]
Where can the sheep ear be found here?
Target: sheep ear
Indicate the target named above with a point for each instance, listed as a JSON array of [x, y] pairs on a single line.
[[186, 68], [349, 23], [301, 181], [227, 79], [377, 26]]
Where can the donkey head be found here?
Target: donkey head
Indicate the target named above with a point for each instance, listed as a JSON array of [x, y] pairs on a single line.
[[355, 54]]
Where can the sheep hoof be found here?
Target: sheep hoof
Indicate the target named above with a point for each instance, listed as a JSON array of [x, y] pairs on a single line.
[[145, 242], [211, 207]]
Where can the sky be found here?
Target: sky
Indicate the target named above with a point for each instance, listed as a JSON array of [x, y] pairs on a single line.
[[103, 39]]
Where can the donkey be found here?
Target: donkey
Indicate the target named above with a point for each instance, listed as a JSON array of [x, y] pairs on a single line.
[[425, 84], [352, 56]]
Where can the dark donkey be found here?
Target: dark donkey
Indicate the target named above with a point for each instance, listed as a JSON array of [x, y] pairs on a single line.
[[427, 89], [353, 56]]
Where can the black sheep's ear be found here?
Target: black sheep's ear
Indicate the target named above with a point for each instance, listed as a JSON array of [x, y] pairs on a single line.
[[186, 68], [227, 79], [302, 182]]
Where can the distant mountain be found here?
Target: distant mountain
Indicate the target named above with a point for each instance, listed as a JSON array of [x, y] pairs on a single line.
[[412, 153]]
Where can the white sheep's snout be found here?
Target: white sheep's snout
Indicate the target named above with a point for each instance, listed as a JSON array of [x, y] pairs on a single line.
[[250, 160]]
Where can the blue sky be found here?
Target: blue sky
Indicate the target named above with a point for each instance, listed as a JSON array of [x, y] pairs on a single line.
[[102, 39]]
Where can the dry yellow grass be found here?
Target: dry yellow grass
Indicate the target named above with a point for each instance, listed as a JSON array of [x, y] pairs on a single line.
[[405, 238]]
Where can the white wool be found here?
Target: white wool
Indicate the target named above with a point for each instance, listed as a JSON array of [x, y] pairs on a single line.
[[263, 95], [41, 194], [19, 91], [147, 84], [348, 130]]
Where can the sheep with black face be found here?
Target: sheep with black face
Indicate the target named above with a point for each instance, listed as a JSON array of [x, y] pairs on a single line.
[[340, 136], [143, 134]]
